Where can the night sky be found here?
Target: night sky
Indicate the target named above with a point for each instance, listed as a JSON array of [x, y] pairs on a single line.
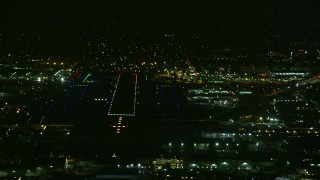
[[60, 24]]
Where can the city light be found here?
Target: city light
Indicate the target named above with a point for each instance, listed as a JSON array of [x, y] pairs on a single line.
[[158, 90]]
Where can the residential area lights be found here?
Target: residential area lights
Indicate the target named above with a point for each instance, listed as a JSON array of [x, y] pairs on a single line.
[[217, 144]]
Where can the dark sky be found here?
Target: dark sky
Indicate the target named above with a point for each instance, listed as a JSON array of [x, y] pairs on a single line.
[[49, 13], [60, 21]]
